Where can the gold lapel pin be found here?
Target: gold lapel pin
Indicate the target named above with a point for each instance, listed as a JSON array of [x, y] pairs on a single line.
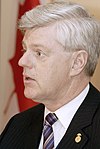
[[78, 137]]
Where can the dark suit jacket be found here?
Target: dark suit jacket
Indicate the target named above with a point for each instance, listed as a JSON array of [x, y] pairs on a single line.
[[24, 130]]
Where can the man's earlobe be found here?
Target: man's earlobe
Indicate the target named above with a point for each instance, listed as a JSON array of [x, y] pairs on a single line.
[[79, 62]]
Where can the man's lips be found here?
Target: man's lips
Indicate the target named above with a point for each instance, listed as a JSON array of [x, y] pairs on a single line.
[[27, 78]]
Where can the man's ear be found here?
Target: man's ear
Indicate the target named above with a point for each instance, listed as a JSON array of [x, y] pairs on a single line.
[[78, 62]]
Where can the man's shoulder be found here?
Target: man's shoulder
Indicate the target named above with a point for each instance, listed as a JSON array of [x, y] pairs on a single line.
[[36, 108], [21, 121], [29, 113], [94, 90]]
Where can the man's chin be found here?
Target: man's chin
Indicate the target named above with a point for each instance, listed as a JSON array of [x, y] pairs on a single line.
[[35, 98]]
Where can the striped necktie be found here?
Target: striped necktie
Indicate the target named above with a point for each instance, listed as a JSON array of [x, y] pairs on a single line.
[[48, 135]]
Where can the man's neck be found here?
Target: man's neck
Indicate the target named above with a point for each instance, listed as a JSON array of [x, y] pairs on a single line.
[[74, 90]]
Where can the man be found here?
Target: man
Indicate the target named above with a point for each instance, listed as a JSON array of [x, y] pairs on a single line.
[[61, 48]]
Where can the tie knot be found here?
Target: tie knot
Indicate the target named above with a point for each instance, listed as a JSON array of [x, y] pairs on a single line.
[[51, 118]]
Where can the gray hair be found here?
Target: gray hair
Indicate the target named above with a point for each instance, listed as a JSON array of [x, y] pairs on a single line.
[[76, 29]]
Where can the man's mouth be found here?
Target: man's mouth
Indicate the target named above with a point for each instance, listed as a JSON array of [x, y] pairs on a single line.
[[27, 78]]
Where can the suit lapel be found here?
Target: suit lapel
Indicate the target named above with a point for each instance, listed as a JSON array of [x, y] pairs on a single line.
[[75, 136], [34, 130]]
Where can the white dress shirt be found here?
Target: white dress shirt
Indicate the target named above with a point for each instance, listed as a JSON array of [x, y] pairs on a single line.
[[65, 115]]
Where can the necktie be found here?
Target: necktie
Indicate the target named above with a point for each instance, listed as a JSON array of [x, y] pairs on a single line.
[[48, 135]]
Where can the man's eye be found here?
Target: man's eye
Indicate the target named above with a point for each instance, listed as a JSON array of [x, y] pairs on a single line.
[[39, 53]]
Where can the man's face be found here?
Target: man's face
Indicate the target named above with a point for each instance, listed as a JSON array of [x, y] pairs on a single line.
[[46, 66]]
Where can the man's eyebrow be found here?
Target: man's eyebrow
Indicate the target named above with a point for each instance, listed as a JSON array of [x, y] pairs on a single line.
[[38, 45], [35, 45], [41, 47]]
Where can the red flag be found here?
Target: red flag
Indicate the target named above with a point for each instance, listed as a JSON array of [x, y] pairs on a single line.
[[23, 102]]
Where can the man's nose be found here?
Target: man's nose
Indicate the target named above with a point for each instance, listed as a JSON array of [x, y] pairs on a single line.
[[25, 61]]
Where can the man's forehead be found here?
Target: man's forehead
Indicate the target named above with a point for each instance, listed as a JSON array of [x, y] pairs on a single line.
[[39, 34], [50, 29]]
